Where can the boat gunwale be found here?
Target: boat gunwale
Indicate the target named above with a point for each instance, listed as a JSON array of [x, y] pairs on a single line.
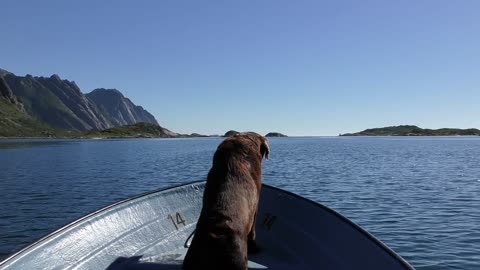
[[372, 238], [349, 222], [86, 216]]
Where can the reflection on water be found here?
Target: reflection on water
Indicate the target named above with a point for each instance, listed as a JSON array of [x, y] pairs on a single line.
[[19, 143]]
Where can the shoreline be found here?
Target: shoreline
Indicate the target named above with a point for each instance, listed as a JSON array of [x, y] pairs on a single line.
[[193, 137]]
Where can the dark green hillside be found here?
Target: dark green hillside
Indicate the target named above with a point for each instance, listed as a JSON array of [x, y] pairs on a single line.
[[230, 133], [139, 130], [42, 103], [15, 123]]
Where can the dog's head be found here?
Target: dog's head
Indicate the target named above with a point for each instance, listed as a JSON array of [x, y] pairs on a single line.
[[259, 142]]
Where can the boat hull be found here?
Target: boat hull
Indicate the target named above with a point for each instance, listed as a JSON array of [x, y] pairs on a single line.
[[154, 230]]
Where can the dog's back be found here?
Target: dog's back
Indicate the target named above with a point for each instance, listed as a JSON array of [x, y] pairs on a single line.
[[229, 205]]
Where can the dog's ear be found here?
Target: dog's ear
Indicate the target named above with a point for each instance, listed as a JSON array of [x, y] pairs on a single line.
[[264, 148]]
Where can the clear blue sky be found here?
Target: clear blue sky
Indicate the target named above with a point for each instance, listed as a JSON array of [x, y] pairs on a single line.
[[297, 67]]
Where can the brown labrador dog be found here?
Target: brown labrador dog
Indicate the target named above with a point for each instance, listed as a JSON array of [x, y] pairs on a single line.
[[226, 228]]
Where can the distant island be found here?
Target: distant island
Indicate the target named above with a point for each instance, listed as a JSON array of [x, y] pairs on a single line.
[[410, 130]]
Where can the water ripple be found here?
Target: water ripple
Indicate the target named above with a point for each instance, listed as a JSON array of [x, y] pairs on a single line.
[[420, 196]]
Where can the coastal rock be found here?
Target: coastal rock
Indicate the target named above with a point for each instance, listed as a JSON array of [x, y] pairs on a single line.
[[7, 94], [5, 91], [275, 134], [4, 72], [231, 133]]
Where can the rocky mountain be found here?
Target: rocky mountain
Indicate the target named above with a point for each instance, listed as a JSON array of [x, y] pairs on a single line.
[[119, 109], [7, 94], [60, 103], [14, 122]]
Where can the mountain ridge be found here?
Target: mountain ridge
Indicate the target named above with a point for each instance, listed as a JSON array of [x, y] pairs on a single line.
[[60, 103], [120, 109]]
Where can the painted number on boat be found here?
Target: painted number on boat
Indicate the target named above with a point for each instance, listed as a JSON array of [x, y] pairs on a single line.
[[177, 221], [268, 221]]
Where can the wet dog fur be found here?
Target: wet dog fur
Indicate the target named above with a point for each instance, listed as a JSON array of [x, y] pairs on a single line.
[[225, 231]]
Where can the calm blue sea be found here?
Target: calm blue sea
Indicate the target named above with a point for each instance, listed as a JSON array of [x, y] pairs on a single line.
[[420, 196]]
